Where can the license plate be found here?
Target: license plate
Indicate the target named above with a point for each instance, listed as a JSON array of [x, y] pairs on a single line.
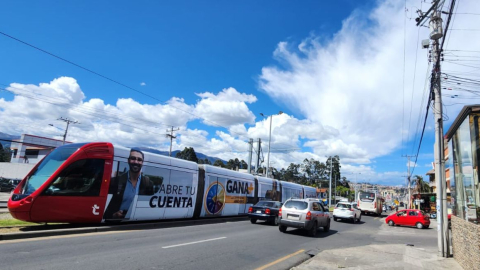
[[259, 212], [294, 217]]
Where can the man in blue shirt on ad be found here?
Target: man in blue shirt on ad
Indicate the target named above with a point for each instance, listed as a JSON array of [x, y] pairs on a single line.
[[126, 186]]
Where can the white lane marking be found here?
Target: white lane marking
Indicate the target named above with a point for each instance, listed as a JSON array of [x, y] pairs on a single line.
[[196, 242]]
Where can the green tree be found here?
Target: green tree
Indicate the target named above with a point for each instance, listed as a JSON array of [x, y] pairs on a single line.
[[234, 164], [244, 164], [313, 170], [188, 154], [5, 154], [219, 163], [420, 185], [342, 191], [292, 173]]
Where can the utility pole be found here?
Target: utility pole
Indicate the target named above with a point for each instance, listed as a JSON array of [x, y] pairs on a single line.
[[435, 23], [259, 146], [68, 121], [250, 150], [436, 33], [171, 138], [409, 179], [356, 187], [336, 179], [330, 184]]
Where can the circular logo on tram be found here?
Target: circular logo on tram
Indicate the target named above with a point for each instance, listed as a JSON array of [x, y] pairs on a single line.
[[215, 198]]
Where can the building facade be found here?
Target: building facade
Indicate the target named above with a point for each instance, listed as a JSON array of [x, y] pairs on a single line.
[[31, 149], [462, 171]]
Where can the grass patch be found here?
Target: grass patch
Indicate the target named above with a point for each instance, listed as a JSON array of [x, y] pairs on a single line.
[[6, 220], [15, 222]]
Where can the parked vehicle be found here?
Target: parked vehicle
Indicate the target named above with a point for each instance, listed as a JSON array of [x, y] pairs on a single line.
[[307, 214], [347, 210], [265, 210], [9, 185], [409, 217], [3, 180]]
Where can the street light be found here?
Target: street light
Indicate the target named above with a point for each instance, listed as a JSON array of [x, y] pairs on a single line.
[[269, 139]]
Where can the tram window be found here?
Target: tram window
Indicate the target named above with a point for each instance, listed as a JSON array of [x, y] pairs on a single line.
[[81, 178]]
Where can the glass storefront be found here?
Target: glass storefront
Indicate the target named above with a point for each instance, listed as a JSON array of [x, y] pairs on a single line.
[[465, 192], [451, 201]]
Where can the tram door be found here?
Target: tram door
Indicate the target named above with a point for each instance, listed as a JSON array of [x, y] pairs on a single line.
[[76, 194]]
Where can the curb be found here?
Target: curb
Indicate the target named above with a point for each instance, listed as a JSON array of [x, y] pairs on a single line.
[[122, 227]]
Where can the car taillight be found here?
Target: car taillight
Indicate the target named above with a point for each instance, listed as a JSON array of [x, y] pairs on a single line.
[[351, 209], [336, 207], [309, 216], [375, 205], [267, 211], [250, 210], [280, 212], [358, 203], [426, 217]]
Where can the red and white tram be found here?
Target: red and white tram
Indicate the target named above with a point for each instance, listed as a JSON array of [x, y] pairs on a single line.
[[88, 183]]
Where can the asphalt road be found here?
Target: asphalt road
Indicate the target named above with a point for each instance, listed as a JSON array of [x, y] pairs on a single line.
[[231, 245]]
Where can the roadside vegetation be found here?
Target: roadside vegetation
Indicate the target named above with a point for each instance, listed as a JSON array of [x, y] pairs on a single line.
[[6, 220]]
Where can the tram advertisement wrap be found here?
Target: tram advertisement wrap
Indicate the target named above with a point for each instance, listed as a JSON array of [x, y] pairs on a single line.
[[157, 193], [268, 191], [227, 196]]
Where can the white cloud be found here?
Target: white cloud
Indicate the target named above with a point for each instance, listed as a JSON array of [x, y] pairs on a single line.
[[225, 109], [353, 83], [143, 84]]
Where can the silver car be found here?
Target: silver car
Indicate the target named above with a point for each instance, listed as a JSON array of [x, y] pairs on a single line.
[[347, 210], [307, 214]]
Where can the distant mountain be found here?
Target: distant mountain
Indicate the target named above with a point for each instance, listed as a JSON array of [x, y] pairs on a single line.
[[5, 139], [165, 153]]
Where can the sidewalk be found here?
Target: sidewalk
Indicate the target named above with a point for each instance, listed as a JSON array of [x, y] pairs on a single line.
[[376, 256], [395, 256]]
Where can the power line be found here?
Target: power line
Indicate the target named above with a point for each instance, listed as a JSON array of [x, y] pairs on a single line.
[[113, 80]]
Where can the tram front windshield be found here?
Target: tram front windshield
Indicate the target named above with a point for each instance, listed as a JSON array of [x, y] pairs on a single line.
[[47, 167]]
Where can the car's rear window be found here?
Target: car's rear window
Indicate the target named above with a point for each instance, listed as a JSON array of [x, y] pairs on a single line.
[[299, 205], [343, 205], [267, 204]]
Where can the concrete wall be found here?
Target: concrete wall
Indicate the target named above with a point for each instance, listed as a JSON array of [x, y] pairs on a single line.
[[15, 170], [466, 243]]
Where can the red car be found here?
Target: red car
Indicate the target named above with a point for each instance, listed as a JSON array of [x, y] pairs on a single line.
[[409, 217]]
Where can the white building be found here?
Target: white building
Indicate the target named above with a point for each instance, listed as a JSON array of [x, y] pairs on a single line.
[[31, 149]]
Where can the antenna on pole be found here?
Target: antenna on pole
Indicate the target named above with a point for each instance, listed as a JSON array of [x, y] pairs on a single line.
[[66, 128], [171, 138]]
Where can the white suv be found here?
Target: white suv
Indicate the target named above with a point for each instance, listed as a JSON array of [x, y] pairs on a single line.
[[307, 214], [347, 210]]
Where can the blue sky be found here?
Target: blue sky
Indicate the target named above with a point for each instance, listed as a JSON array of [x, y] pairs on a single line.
[[348, 75]]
